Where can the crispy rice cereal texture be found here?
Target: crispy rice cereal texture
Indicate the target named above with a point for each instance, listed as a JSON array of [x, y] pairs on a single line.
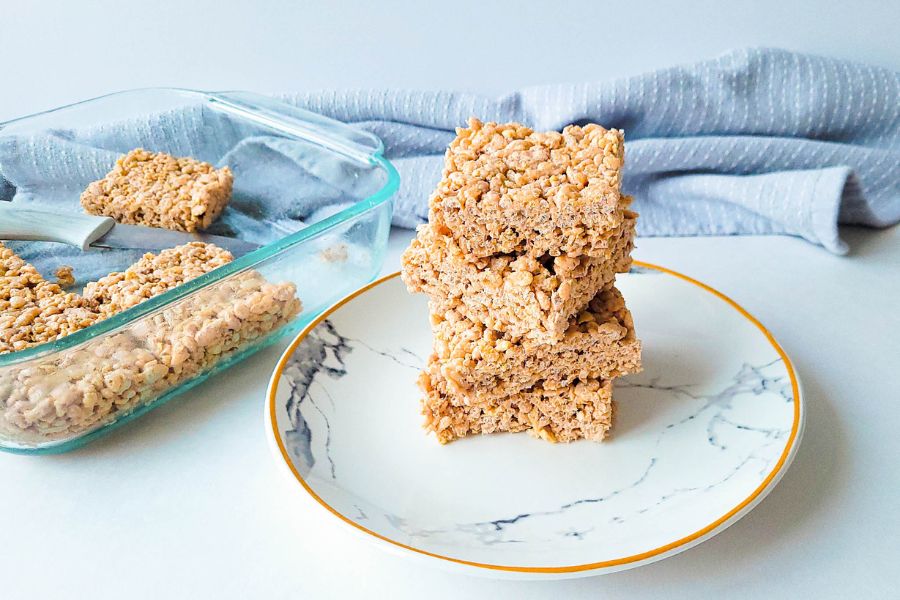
[[583, 410], [526, 234], [516, 295], [91, 384], [506, 188], [599, 343], [34, 310], [152, 275], [159, 190]]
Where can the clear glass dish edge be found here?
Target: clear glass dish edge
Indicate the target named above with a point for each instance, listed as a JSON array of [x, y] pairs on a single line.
[[245, 262], [373, 156]]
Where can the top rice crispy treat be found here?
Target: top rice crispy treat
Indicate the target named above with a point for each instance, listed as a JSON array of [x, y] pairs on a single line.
[[159, 190], [506, 188], [521, 296], [482, 365]]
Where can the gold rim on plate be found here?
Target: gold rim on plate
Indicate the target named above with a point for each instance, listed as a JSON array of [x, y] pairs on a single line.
[[780, 466]]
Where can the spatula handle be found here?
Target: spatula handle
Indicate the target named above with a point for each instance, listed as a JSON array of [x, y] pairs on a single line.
[[45, 226]]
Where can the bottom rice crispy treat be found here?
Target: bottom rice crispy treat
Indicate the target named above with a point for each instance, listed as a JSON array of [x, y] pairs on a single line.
[[518, 295], [94, 382], [599, 343], [583, 410]]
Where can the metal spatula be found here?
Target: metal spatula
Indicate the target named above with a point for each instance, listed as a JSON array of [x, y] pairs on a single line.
[[88, 231]]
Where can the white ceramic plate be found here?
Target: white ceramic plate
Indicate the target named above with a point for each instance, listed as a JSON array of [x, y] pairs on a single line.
[[700, 437]]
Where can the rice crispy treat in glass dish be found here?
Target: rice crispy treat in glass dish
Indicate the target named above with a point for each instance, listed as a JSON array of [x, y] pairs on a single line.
[[160, 190], [521, 296], [96, 382], [506, 188], [152, 275], [582, 410], [99, 380], [475, 361], [34, 310]]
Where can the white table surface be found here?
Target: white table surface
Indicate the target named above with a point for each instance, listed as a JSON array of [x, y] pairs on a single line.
[[188, 503]]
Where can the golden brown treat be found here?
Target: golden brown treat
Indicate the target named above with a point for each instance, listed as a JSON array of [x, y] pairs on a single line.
[[94, 383], [599, 344], [582, 410], [33, 310], [506, 188], [64, 276], [152, 275], [159, 190], [76, 389], [516, 295]]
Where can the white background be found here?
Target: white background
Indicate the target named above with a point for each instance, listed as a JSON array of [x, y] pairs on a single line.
[[188, 503]]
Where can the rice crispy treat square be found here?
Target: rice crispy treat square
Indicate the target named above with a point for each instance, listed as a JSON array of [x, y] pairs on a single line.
[[34, 310], [506, 188], [152, 275], [76, 389], [521, 296], [160, 190], [582, 410], [475, 361]]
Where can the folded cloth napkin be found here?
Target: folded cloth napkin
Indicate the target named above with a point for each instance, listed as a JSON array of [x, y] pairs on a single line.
[[756, 142]]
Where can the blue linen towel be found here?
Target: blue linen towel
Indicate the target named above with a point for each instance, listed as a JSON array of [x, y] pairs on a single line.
[[758, 141]]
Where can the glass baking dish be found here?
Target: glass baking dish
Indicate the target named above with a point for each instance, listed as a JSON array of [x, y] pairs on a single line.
[[313, 192]]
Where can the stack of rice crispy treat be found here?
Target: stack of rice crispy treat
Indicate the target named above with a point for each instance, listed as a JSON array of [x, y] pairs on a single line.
[[526, 234]]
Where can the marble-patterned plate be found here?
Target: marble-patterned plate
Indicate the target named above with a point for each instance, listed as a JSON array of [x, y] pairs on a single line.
[[700, 437]]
